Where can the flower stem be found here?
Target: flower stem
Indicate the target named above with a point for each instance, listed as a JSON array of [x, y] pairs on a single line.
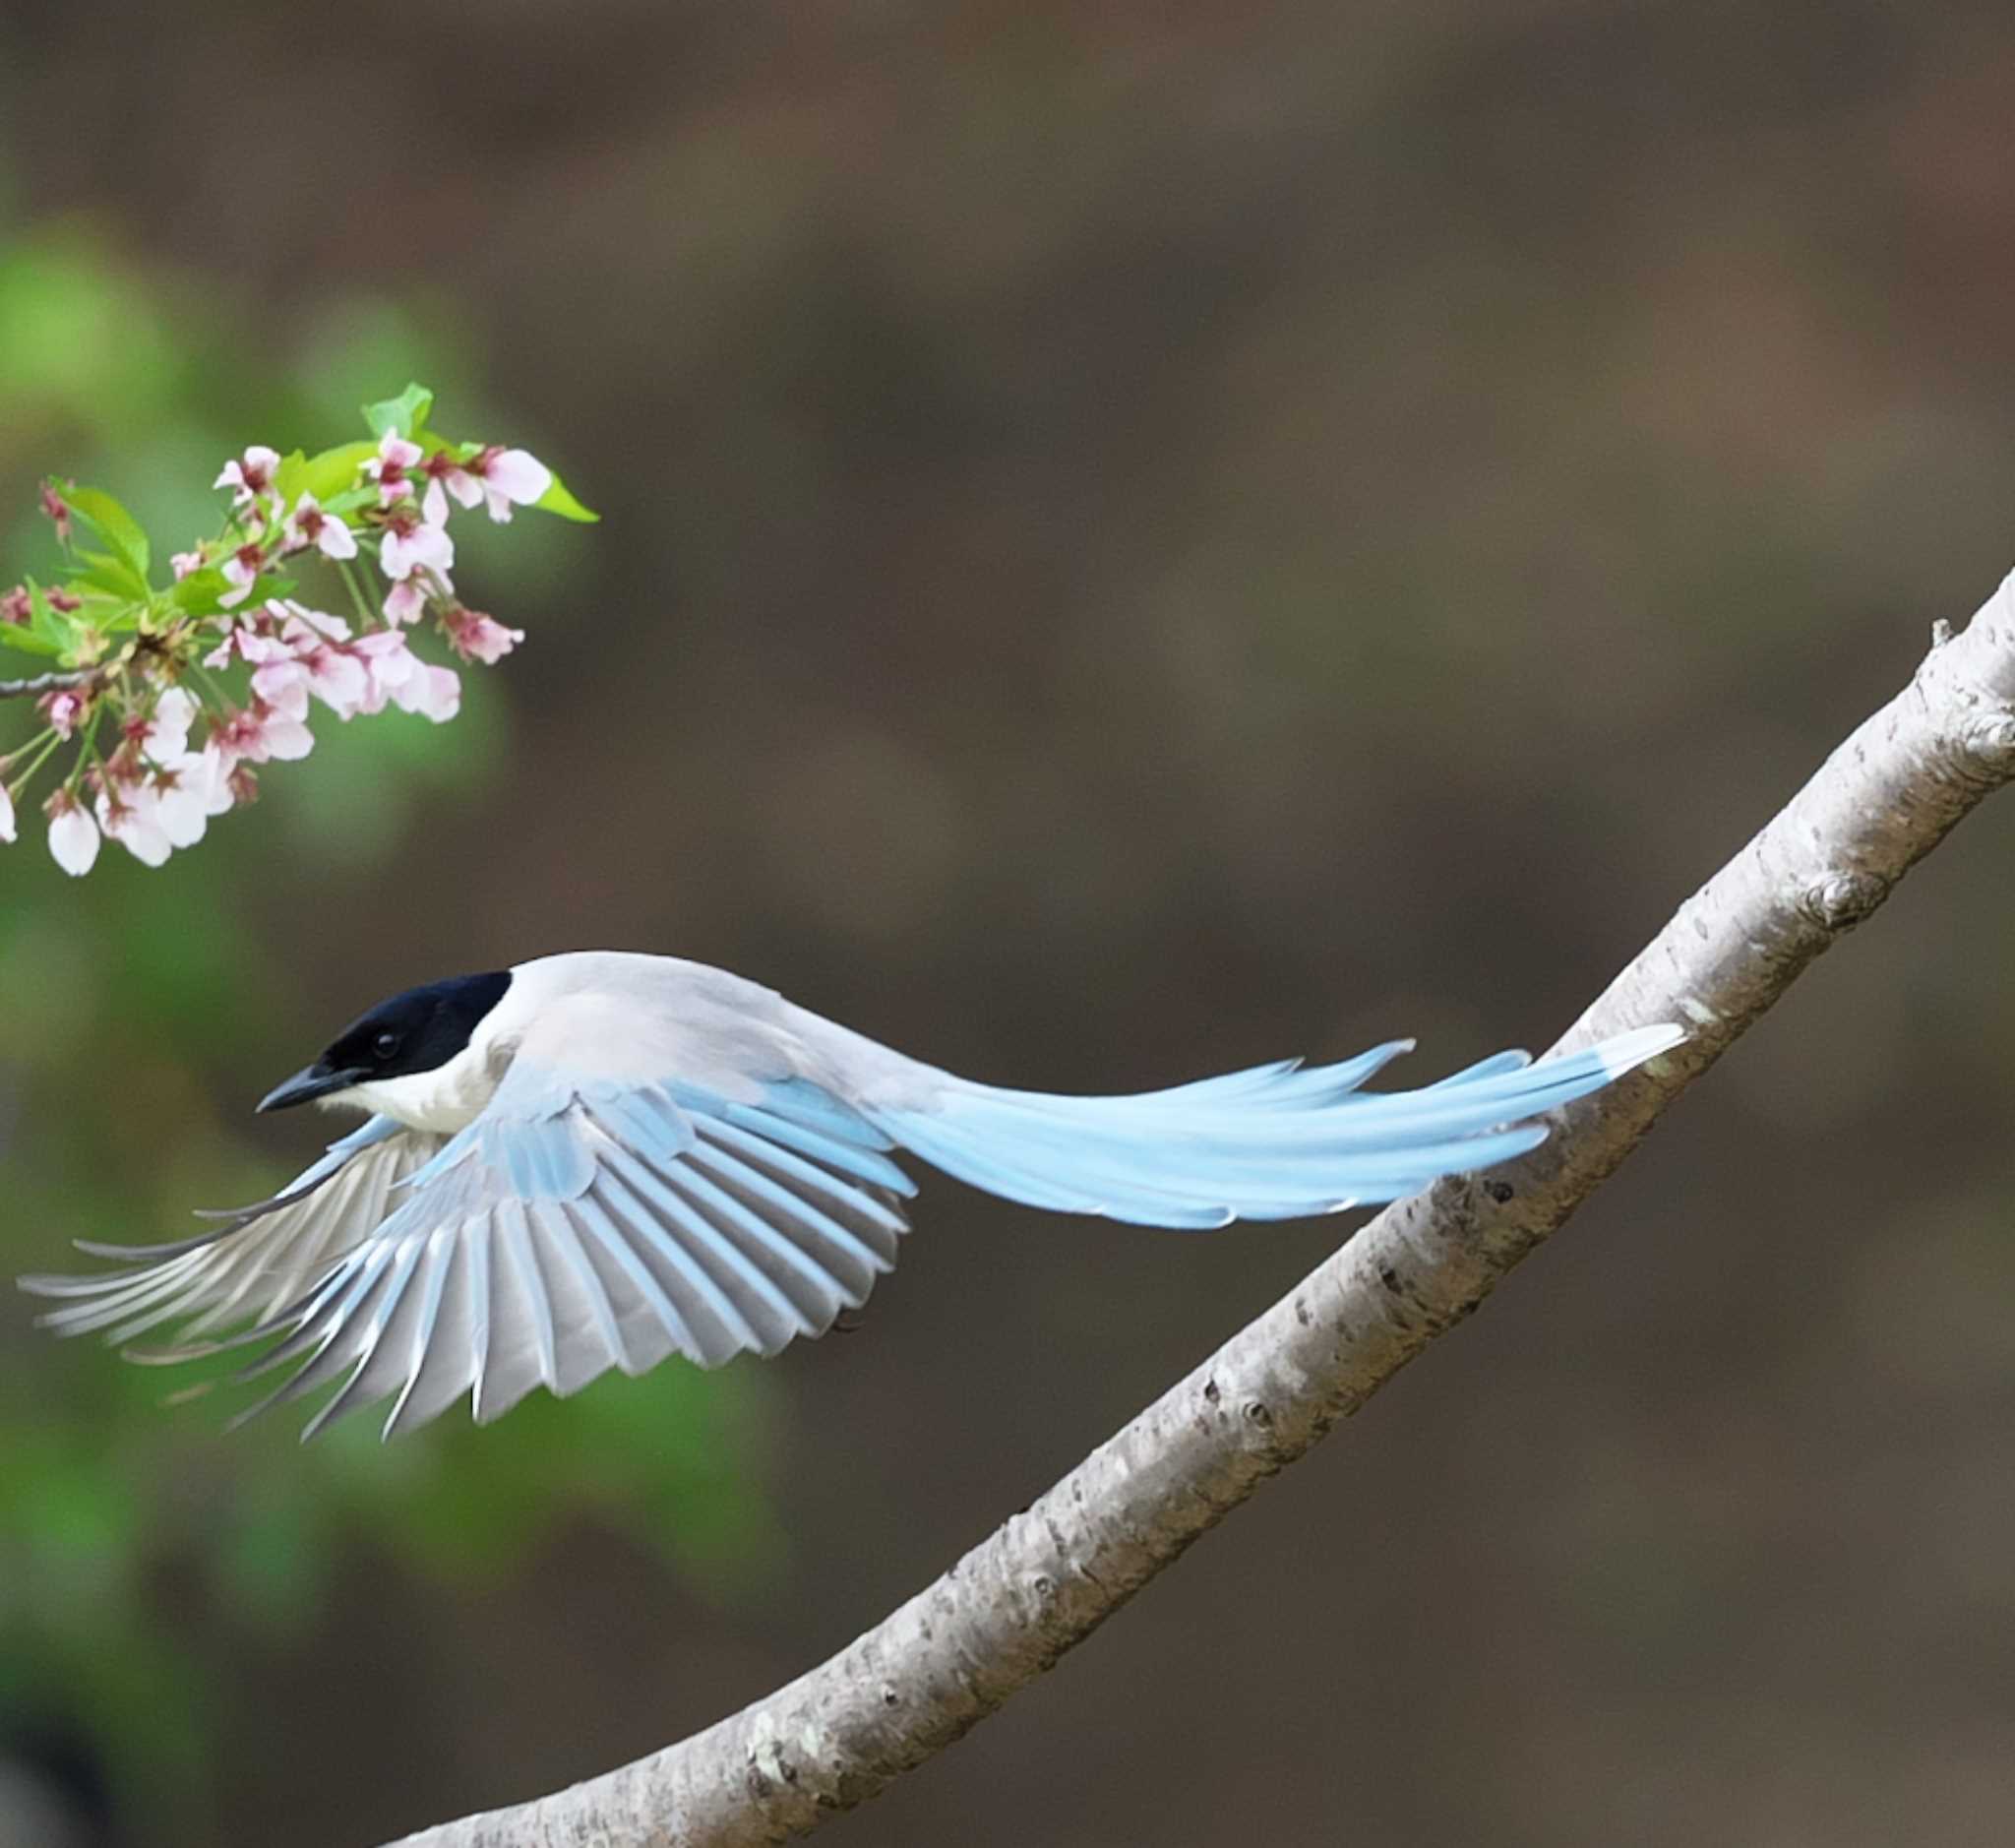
[[48, 740], [365, 615]]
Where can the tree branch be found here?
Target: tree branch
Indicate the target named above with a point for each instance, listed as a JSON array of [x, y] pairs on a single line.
[[50, 683], [1049, 1577]]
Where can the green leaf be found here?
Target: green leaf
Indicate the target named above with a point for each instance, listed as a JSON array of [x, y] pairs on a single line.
[[351, 500], [109, 576], [556, 500], [327, 475], [48, 624], [403, 414], [111, 615], [26, 641], [197, 594], [286, 478], [202, 593], [112, 523]]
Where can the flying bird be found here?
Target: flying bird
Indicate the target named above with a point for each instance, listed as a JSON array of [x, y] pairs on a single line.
[[600, 1159]]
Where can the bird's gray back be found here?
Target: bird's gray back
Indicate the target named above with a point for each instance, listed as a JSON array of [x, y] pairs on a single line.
[[627, 1016]]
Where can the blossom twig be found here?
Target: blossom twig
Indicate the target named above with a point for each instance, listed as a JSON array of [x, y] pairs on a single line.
[[129, 650]]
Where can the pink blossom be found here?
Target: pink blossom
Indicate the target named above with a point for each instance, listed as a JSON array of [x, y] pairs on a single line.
[[181, 799], [6, 815], [337, 679], [241, 571], [406, 600], [410, 544], [434, 692], [389, 467], [165, 736], [262, 732], [308, 524], [400, 675], [128, 814], [213, 777], [254, 639], [148, 816], [476, 637], [62, 600], [298, 617], [388, 661], [283, 686], [73, 834], [497, 476], [183, 563], [327, 667], [250, 477], [283, 735], [445, 476], [65, 709], [58, 510], [17, 607], [309, 655], [248, 645]]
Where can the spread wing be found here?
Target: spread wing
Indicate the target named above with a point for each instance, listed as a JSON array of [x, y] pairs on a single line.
[[254, 1261], [578, 1225]]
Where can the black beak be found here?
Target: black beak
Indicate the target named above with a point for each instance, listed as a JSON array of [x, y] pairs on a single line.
[[312, 1081]]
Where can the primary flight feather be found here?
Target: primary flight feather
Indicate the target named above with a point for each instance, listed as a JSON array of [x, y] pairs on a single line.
[[601, 1160]]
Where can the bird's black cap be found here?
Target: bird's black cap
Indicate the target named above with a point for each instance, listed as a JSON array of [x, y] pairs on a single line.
[[419, 1030]]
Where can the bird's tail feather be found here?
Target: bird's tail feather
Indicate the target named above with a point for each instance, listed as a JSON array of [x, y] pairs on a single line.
[[1281, 1142]]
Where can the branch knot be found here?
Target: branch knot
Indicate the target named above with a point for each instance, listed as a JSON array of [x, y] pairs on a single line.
[[1839, 901], [1987, 737]]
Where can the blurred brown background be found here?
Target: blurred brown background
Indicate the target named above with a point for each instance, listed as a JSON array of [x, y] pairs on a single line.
[[1137, 539]]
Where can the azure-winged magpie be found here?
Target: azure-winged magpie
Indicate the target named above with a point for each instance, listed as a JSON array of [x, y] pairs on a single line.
[[599, 1159]]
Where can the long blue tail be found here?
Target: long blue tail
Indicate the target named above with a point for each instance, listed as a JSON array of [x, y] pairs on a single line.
[[1279, 1141]]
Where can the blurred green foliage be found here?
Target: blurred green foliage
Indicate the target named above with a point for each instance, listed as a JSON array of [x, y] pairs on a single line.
[[131, 995]]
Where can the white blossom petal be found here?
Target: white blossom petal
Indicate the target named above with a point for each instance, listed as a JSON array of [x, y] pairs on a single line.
[[405, 601], [479, 638], [286, 737], [518, 476], [209, 777], [177, 710], [422, 547], [304, 625], [433, 692], [168, 732], [283, 686], [74, 841], [134, 825], [337, 541], [180, 809], [340, 681]]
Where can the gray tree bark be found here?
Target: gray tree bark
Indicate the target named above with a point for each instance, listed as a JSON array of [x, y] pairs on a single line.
[[50, 683], [1049, 1577]]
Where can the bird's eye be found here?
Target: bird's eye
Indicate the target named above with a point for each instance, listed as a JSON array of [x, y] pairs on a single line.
[[384, 1045]]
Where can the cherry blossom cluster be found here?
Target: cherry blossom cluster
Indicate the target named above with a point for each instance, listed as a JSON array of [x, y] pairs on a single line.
[[237, 642]]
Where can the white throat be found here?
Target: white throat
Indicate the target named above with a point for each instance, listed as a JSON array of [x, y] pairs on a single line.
[[442, 1101]]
